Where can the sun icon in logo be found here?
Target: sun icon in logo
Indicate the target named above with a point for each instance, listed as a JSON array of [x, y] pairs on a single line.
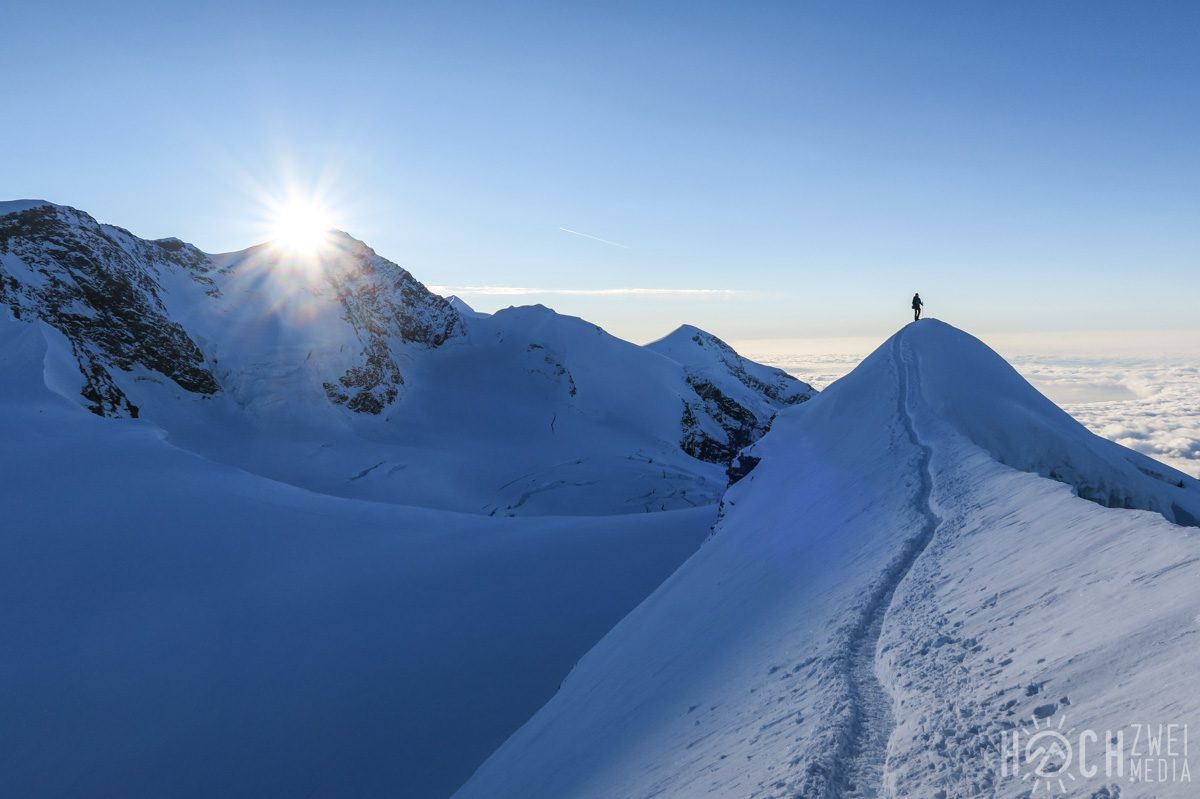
[[1048, 754]]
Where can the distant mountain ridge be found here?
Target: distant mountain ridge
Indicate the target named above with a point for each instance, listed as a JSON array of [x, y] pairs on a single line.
[[105, 290], [350, 354]]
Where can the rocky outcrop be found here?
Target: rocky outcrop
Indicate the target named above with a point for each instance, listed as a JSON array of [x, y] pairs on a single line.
[[738, 395], [739, 427], [98, 286], [104, 289], [709, 353], [384, 304]]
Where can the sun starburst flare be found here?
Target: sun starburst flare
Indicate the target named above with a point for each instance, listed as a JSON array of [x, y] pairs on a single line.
[[301, 227]]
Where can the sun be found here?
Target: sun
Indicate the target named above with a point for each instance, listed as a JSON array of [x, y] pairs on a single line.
[[301, 227]]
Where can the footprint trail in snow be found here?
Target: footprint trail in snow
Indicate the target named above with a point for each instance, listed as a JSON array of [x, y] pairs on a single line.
[[863, 772]]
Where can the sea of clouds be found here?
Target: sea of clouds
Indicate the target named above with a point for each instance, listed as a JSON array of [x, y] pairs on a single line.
[[1140, 389], [1152, 406]]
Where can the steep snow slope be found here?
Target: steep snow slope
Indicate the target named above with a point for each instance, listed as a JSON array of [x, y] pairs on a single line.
[[341, 373], [1025, 430], [177, 628], [883, 604]]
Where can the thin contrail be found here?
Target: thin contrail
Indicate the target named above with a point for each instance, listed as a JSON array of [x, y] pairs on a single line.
[[518, 290], [586, 236]]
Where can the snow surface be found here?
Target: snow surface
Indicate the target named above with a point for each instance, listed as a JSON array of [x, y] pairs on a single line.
[[341, 374], [14, 206], [528, 413], [1140, 389], [174, 627], [881, 576], [460, 305], [1025, 430]]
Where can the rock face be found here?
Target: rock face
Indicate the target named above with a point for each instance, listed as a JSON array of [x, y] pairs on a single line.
[[107, 291], [741, 396], [98, 286], [384, 304]]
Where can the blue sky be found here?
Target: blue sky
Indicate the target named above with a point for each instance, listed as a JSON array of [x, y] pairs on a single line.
[[1025, 166]]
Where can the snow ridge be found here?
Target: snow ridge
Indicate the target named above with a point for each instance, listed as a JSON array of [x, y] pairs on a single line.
[[1025, 430], [872, 720]]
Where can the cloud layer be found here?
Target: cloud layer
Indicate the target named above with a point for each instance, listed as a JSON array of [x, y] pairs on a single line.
[[1154, 406]]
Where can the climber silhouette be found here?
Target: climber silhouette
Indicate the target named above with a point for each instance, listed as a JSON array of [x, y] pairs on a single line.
[[917, 307]]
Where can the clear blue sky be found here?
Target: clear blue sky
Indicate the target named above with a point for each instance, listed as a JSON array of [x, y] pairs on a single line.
[[1024, 165]]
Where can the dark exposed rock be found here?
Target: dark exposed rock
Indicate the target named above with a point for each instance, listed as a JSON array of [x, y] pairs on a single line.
[[742, 465], [735, 399], [384, 304], [100, 286], [97, 285], [740, 426], [782, 389]]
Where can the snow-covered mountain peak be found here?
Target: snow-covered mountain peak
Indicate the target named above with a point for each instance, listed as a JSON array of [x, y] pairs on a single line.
[[99, 288], [977, 392], [135, 312], [704, 356], [460, 305], [693, 334], [342, 373]]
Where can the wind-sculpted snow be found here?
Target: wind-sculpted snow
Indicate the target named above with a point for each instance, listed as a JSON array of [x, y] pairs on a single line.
[[1032, 609], [881, 577]]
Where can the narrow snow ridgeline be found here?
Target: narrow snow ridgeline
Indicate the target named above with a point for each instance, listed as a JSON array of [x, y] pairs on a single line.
[[884, 601]]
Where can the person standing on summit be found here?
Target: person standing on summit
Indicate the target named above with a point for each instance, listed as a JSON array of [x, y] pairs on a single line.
[[917, 306]]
